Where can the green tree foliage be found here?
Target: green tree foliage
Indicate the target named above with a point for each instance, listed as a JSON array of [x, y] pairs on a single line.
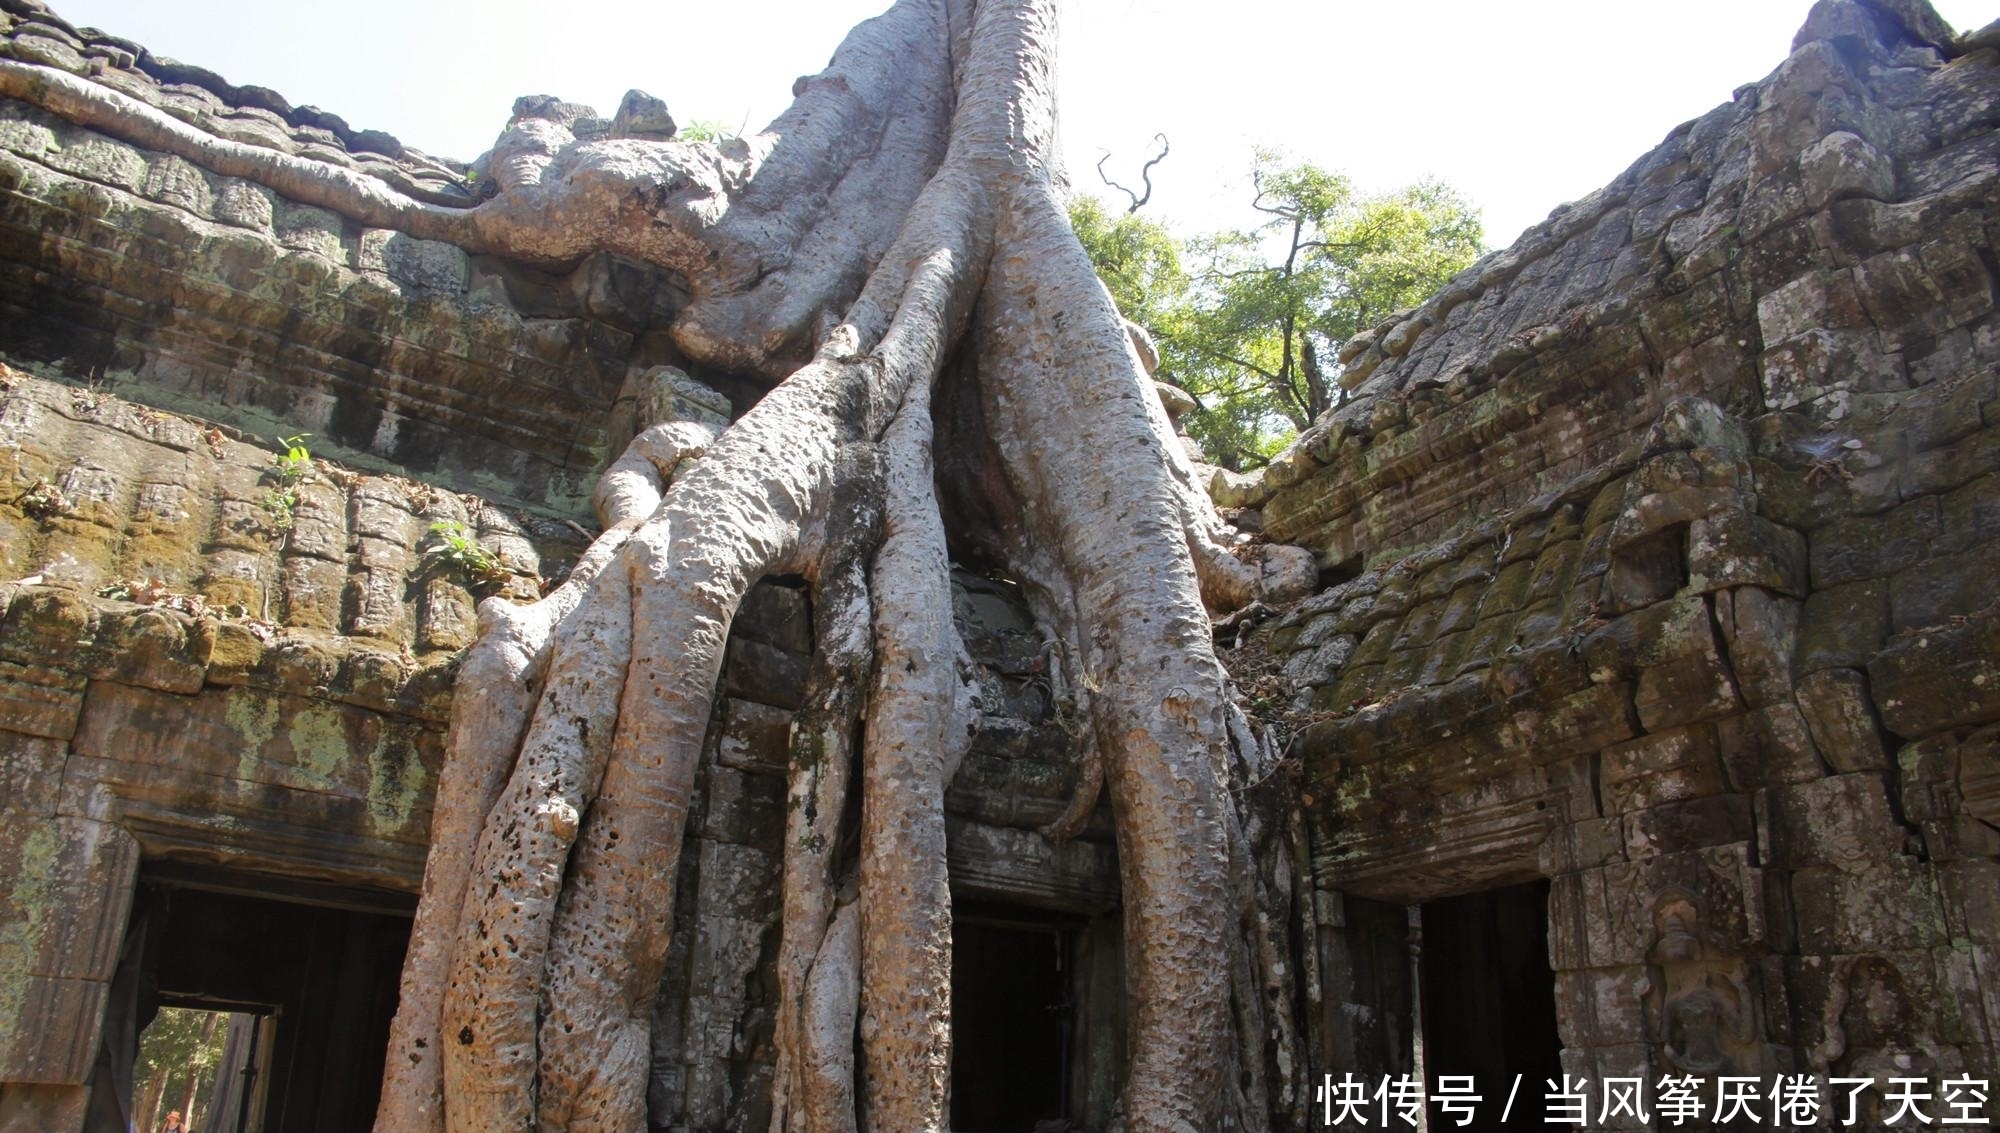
[[1249, 321], [707, 130], [180, 1049]]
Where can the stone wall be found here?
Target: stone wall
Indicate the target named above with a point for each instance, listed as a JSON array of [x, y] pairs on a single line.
[[148, 276], [1669, 536]]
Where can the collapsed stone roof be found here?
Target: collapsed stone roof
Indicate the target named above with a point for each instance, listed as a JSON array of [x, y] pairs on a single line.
[[253, 115]]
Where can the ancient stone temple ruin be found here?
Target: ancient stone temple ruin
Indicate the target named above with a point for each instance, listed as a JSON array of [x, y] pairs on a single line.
[[1644, 720]]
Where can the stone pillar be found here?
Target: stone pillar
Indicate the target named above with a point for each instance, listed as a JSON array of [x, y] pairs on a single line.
[[65, 894]]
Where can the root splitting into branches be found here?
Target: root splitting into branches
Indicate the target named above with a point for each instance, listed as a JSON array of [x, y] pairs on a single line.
[[907, 201]]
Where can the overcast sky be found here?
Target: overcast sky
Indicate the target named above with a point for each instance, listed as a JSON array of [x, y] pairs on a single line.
[[1522, 104]]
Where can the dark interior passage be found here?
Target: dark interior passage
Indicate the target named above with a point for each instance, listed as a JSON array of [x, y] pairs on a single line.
[[314, 974], [1009, 1026], [1489, 999]]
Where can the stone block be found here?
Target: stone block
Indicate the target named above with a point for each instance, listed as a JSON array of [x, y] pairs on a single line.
[[1509, 589], [235, 651], [1969, 514], [1760, 631], [1445, 659], [1942, 588], [94, 157], [739, 884], [1377, 645], [47, 625], [1942, 469], [743, 809], [1843, 165], [381, 509], [1874, 546], [1460, 609], [151, 648], [37, 700], [446, 616], [52, 1035], [1322, 663], [1837, 712], [1843, 626], [1658, 634], [1819, 362], [1768, 745], [1315, 632], [755, 671], [1491, 638], [1943, 677], [65, 892], [1716, 820], [1555, 570], [1875, 906], [1659, 768], [1358, 685], [1608, 1007], [1951, 790], [777, 616], [357, 778], [381, 607], [31, 771], [1971, 892], [319, 523], [1694, 686], [1951, 258], [1584, 844], [1581, 722], [1737, 548], [1419, 629], [1821, 300], [1842, 820], [315, 593], [1901, 297], [754, 737]]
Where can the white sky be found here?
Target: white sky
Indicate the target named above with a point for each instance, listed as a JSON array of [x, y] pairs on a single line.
[[1522, 104]]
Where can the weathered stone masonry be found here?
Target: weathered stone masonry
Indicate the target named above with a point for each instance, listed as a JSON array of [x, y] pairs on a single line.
[[1663, 544], [1671, 533]]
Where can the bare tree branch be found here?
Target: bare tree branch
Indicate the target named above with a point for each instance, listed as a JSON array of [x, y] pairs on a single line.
[[1145, 175]]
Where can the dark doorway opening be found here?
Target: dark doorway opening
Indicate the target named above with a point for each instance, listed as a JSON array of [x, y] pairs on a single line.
[[1010, 1024], [309, 974], [1489, 999]]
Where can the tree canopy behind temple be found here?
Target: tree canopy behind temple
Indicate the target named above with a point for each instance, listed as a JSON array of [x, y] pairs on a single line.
[[1249, 320]]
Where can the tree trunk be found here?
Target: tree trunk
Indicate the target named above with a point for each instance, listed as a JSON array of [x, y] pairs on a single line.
[[194, 1070], [155, 1093], [905, 211]]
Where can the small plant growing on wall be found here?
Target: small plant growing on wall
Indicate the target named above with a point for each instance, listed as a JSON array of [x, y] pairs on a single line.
[[43, 500], [289, 469], [455, 550]]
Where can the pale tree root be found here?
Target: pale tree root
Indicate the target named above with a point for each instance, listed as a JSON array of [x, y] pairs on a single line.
[[507, 663], [822, 752], [920, 721], [561, 825], [1095, 482]]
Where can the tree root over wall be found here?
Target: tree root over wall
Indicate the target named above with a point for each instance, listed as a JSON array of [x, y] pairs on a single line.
[[900, 232]]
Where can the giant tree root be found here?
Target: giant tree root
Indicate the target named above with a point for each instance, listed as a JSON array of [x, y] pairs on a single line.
[[902, 215]]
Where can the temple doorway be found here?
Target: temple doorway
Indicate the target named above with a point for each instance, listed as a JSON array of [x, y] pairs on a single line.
[[302, 980], [1489, 999], [1011, 1033]]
